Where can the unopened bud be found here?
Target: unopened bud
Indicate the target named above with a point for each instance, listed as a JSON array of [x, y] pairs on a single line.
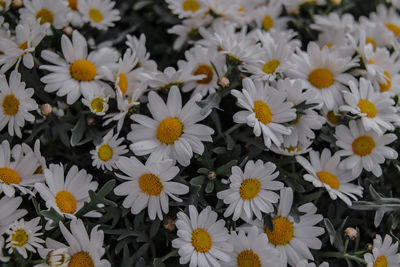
[[68, 30], [212, 175], [58, 258], [223, 81], [17, 3], [351, 232], [369, 246], [46, 109], [336, 2], [170, 226], [91, 121]]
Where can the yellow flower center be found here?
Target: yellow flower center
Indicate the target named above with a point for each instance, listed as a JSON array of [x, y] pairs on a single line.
[[329, 45], [293, 149], [294, 122], [81, 259], [10, 105], [66, 202], [150, 184], [39, 170], [386, 86], [95, 15], [321, 78], [367, 107], [97, 104], [45, 15], [83, 70], [283, 231], [247, 258], [23, 46], [262, 111], [123, 82], [363, 145], [381, 261], [205, 70], [267, 22], [191, 5], [201, 240], [333, 118], [271, 66], [19, 238], [105, 152], [371, 41], [9, 176], [394, 28], [73, 4], [169, 130], [3, 4], [329, 179], [249, 189]]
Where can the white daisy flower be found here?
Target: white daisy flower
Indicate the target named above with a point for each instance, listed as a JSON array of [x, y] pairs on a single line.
[[253, 250], [187, 8], [202, 240], [16, 103], [53, 12], [269, 16], [66, 195], [23, 236], [5, 5], [324, 172], [20, 168], [323, 71], [99, 13], [125, 77], [79, 73], [266, 110], [198, 62], [294, 239], [251, 192], [108, 152], [334, 22], [96, 101], [174, 132], [376, 109], [74, 17], [9, 213], [387, 16], [384, 253], [139, 46], [289, 150], [363, 149], [163, 81], [84, 250], [306, 121], [148, 185], [27, 38], [375, 34]]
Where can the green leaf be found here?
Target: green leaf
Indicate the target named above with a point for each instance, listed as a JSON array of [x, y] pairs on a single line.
[[212, 101], [225, 169], [209, 187], [78, 131], [331, 230], [198, 180]]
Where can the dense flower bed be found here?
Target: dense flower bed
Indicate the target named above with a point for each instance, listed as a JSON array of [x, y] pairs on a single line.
[[199, 132]]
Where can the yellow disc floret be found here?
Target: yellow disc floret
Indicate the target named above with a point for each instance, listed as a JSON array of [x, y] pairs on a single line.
[[23, 46], [262, 111], [81, 259], [321, 78], [169, 130], [95, 15], [247, 258], [394, 28], [367, 107], [329, 179], [191, 5], [66, 202], [249, 189], [97, 104], [283, 231], [150, 184], [19, 238], [388, 83], [201, 240], [45, 16], [363, 145], [9, 176], [371, 41], [105, 152], [206, 70], [268, 23], [83, 70], [73, 4], [10, 105], [381, 261], [123, 82], [271, 66]]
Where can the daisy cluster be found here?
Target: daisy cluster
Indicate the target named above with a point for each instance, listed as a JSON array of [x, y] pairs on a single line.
[[199, 132]]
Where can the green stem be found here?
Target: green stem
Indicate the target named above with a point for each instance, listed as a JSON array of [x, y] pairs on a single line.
[[346, 244], [229, 131], [342, 256], [169, 255]]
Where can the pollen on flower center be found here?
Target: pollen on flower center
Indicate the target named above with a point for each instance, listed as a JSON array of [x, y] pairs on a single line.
[[191, 5], [247, 258], [329, 179], [381, 261], [394, 28], [95, 15], [268, 22], [271, 66], [169, 130], [73, 4], [363, 145], [105, 152], [81, 259], [205, 70], [97, 104], [262, 111], [19, 238], [321, 78], [249, 189], [367, 107], [386, 86], [23, 46], [293, 149], [333, 118], [201, 240], [66, 202], [10, 105], [150, 184], [83, 70], [45, 15], [371, 41], [9, 176], [123, 82], [283, 231]]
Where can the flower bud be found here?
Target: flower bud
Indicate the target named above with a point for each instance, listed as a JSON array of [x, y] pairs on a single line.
[[212, 175], [58, 258], [223, 81], [351, 232], [46, 109], [170, 226], [336, 2], [68, 30], [17, 3]]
